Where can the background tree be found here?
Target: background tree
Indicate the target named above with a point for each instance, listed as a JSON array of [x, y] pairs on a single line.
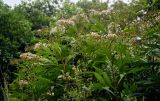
[[38, 12], [15, 34]]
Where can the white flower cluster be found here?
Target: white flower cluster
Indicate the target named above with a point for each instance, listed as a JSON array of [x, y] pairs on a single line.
[[57, 29], [65, 22], [110, 36], [94, 34], [73, 18], [62, 23], [106, 12], [103, 12], [97, 36], [94, 12], [79, 17], [28, 56], [83, 16]]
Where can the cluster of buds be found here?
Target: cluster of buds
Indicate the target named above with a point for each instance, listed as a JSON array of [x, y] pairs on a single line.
[[40, 45], [65, 76], [23, 83], [76, 70]]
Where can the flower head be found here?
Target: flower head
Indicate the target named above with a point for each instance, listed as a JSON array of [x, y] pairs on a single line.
[[28, 56], [111, 36], [23, 82]]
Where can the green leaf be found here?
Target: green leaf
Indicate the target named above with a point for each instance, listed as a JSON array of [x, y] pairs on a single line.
[[56, 49], [121, 78], [135, 70], [99, 78], [96, 86], [129, 30], [106, 78], [107, 89]]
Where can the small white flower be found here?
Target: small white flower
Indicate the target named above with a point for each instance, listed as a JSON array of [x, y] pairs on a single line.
[[138, 38], [60, 76], [138, 19], [23, 82]]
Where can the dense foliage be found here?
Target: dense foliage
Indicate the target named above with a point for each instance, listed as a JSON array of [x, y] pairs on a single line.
[[51, 50]]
